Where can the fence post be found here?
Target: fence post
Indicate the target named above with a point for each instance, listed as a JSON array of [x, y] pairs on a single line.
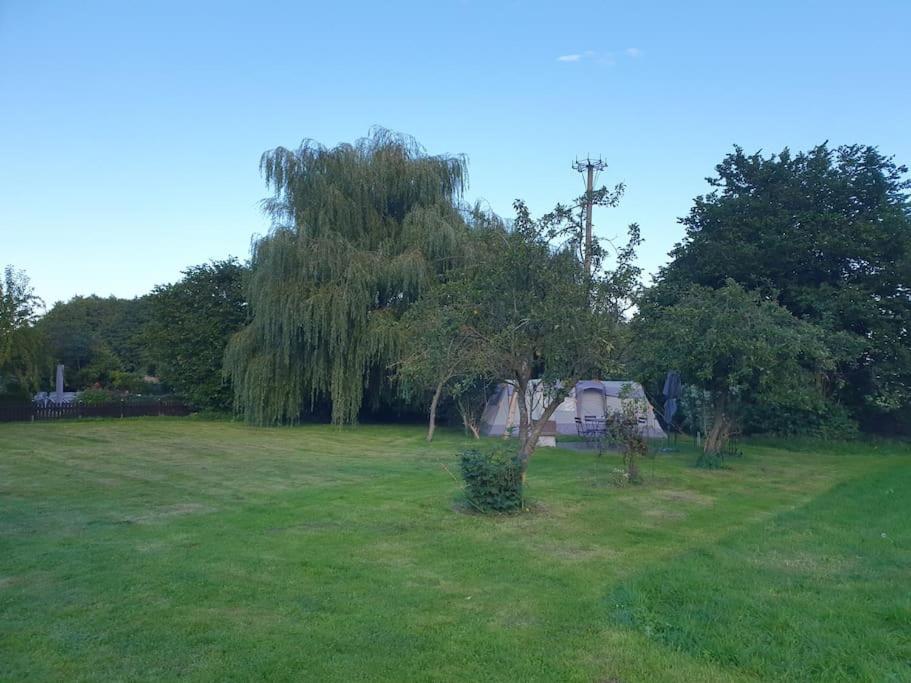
[[121, 407]]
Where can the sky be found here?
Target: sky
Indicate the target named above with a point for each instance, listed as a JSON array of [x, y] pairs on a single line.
[[131, 132]]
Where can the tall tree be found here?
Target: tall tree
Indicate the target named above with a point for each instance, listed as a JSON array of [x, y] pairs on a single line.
[[827, 233], [736, 345], [439, 354], [191, 323], [23, 360], [97, 337], [359, 231], [533, 316]]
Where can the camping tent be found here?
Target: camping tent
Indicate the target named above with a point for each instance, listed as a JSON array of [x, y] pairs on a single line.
[[589, 398]]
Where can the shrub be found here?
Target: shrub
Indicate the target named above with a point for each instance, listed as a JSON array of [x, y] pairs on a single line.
[[493, 479], [94, 396], [127, 381], [820, 420], [628, 431]]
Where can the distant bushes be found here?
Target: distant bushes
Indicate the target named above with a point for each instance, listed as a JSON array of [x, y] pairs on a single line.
[[96, 396], [824, 420], [493, 479]]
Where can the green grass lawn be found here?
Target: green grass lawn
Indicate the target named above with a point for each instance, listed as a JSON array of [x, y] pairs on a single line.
[[167, 548]]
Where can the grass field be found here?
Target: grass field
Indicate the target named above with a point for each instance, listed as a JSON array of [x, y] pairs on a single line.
[[165, 548]]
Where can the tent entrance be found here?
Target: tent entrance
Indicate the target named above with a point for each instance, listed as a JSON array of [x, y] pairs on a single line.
[[590, 403]]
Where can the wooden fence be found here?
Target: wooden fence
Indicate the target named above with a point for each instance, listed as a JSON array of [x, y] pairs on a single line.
[[17, 412]]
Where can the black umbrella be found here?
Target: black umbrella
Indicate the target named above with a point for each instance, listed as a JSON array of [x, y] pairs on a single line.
[[671, 393]]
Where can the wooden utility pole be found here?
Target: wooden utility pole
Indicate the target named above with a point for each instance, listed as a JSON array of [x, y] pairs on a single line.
[[589, 166]]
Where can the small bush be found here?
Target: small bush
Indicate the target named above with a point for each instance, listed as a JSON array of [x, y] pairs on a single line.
[[127, 381], [94, 396], [493, 479]]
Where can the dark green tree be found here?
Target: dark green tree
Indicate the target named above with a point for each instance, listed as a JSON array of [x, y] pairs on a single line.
[[98, 338], [359, 232], [738, 346], [191, 323], [528, 311], [827, 233], [439, 354]]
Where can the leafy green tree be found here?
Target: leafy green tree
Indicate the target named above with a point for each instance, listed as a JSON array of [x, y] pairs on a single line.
[[530, 312], [827, 233], [359, 232], [736, 345], [23, 359], [438, 355], [95, 337], [191, 323]]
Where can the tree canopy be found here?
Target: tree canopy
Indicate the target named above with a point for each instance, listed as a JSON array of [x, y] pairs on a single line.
[[737, 345], [23, 358], [525, 309], [191, 323], [359, 231], [100, 340], [827, 233]]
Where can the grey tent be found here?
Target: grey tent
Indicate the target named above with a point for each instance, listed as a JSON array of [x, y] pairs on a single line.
[[589, 398]]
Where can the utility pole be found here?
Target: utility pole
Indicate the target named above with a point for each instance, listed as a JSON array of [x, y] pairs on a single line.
[[589, 166]]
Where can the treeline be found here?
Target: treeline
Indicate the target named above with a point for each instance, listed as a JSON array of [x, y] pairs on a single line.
[[169, 341], [786, 308]]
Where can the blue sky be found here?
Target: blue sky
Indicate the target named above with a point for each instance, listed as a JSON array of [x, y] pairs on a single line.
[[130, 133]]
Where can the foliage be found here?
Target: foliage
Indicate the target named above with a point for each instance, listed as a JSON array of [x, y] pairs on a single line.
[[696, 409], [359, 232], [736, 345], [493, 479], [129, 382], [821, 419], [438, 351], [615, 276], [627, 430], [530, 311], [95, 337], [23, 359], [470, 394], [191, 323], [95, 396], [827, 234]]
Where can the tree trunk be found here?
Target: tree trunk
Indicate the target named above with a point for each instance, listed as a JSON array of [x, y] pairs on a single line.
[[432, 424], [720, 432], [632, 468], [524, 452], [534, 429], [469, 423]]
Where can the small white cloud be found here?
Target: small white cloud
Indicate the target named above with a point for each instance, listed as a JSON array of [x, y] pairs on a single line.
[[633, 52], [569, 58]]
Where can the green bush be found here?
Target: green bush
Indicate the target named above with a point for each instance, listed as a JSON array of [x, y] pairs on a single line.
[[94, 396], [127, 381], [819, 420], [493, 479]]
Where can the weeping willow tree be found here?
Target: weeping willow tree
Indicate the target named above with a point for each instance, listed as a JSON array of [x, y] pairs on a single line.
[[359, 232]]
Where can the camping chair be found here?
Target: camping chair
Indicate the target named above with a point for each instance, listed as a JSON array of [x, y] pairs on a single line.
[[596, 429]]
